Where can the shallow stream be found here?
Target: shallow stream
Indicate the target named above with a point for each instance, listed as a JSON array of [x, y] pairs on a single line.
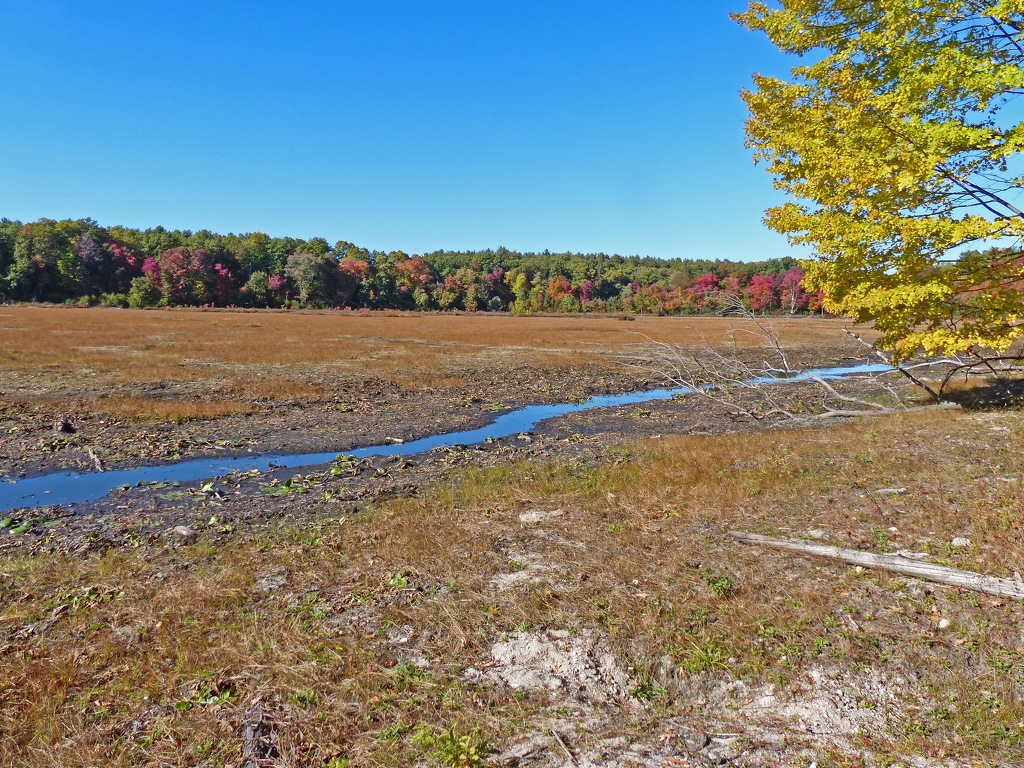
[[58, 488]]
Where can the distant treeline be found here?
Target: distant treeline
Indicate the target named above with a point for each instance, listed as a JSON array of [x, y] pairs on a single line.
[[82, 262]]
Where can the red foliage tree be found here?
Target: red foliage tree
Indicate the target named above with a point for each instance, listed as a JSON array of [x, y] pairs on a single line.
[[792, 292], [186, 276], [764, 292], [704, 288], [351, 272], [413, 273]]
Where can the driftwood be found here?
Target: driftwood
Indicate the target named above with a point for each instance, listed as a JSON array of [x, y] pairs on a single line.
[[96, 461], [734, 382], [259, 743], [848, 414], [1012, 589]]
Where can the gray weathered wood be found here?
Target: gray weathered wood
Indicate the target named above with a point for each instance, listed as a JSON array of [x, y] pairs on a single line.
[[96, 461], [1012, 589], [253, 731]]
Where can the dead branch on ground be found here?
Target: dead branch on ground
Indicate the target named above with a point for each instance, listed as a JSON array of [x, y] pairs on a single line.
[[741, 385], [990, 585], [1004, 373]]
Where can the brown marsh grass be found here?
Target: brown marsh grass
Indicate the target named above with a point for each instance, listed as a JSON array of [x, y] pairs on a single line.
[[214, 358], [163, 410], [153, 656], [148, 345]]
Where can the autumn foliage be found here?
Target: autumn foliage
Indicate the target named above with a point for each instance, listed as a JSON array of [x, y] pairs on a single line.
[[897, 136], [82, 262]]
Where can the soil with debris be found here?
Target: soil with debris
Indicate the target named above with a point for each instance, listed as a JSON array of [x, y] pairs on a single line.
[[59, 431], [376, 417], [589, 706]]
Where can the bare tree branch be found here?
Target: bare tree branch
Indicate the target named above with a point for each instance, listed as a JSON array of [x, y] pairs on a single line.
[[888, 360], [738, 385]]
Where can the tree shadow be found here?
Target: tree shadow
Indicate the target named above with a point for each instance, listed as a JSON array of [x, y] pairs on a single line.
[[984, 393]]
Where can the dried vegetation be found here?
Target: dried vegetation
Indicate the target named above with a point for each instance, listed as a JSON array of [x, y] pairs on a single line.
[[582, 606], [122, 347], [382, 636], [139, 383]]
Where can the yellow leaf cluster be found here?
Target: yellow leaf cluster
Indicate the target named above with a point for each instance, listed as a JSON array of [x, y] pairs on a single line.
[[896, 145]]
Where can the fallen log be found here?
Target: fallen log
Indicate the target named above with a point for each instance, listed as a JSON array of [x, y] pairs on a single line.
[[1012, 589]]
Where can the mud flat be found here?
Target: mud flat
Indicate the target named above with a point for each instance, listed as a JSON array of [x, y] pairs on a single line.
[[137, 385], [566, 596]]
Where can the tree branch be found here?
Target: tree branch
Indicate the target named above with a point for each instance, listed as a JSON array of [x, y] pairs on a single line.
[[990, 585]]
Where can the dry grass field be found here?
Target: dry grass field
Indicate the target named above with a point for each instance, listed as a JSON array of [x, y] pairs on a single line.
[[244, 375], [137, 346], [551, 613], [570, 597]]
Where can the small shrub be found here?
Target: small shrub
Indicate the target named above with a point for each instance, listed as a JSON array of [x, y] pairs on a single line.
[[466, 751], [452, 749], [114, 300], [718, 585], [143, 293]]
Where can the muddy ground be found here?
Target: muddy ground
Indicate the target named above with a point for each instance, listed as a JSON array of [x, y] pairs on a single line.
[[49, 420], [514, 625], [58, 432]]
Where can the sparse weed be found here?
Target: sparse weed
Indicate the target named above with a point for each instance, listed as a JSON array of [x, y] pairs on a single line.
[[881, 538], [702, 657], [408, 675], [718, 585], [303, 698], [455, 749]]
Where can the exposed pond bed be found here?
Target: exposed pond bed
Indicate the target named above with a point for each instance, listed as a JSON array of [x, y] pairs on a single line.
[[69, 488]]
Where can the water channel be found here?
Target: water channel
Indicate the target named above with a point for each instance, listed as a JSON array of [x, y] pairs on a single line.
[[58, 488]]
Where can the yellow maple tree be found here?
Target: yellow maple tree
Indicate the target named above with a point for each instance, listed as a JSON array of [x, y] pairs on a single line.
[[898, 139]]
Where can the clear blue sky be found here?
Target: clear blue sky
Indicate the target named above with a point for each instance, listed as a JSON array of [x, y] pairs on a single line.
[[582, 126]]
